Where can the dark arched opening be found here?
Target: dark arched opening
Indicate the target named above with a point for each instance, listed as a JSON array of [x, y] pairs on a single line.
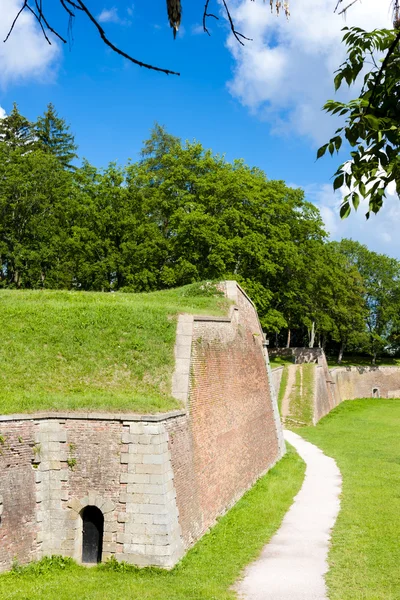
[[92, 539]]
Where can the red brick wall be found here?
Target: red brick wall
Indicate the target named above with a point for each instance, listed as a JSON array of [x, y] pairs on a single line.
[[96, 447], [17, 487], [230, 429]]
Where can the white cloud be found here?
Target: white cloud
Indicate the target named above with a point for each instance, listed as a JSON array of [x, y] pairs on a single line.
[[26, 54], [110, 15], [285, 74], [2, 112], [379, 233]]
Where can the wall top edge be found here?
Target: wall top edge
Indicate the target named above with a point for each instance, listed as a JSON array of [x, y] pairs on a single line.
[[362, 368], [122, 417]]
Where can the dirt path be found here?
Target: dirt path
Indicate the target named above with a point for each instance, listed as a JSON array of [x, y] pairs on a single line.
[[293, 564], [285, 409]]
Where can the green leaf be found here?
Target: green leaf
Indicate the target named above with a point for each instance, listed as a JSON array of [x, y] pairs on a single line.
[[321, 151], [338, 183], [345, 210]]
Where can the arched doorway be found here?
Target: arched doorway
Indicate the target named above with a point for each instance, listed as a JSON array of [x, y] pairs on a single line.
[[92, 539]]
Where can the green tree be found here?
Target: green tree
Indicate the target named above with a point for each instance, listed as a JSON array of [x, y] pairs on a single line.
[[52, 135], [32, 197], [16, 130], [372, 120], [381, 281]]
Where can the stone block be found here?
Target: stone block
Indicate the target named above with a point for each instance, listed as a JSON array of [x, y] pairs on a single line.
[[184, 328], [135, 548], [182, 351], [122, 517], [158, 469], [152, 509], [182, 366], [124, 458], [135, 458], [155, 459], [109, 547], [153, 429], [108, 506], [75, 504], [180, 383], [158, 550], [124, 538], [143, 518]]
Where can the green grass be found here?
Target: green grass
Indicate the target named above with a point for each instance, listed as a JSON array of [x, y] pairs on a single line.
[[363, 361], [207, 572], [282, 387], [363, 437], [277, 361], [301, 398], [94, 351]]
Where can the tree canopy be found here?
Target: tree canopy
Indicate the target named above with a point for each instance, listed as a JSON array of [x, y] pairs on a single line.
[[183, 214]]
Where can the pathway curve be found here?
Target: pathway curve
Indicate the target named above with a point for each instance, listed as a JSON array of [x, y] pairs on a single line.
[[293, 564], [289, 387]]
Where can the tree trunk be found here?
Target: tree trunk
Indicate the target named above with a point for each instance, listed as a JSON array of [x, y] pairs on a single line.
[[311, 335], [339, 360], [288, 339]]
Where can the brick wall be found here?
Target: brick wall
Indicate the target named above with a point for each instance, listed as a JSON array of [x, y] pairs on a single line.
[[358, 382], [160, 481], [230, 437], [18, 526]]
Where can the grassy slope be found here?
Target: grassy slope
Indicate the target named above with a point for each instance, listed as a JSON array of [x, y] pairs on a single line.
[[301, 399], [363, 437], [282, 387], [78, 350], [207, 572]]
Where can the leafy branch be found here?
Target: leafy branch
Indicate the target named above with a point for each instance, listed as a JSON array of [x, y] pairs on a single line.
[[372, 120]]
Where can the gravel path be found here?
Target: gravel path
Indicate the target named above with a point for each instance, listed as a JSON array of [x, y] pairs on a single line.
[[293, 564]]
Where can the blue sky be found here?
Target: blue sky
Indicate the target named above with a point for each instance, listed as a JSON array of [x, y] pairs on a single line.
[[261, 103]]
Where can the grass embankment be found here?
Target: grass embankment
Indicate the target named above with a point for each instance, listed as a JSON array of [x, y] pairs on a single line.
[[301, 405], [363, 437], [363, 361], [93, 351], [278, 361], [207, 572], [282, 387]]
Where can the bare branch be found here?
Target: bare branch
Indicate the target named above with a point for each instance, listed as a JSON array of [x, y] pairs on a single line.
[[207, 14], [68, 6], [16, 19], [231, 23], [117, 50]]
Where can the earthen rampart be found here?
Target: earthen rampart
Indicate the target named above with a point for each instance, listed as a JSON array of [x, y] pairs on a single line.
[[158, 481]]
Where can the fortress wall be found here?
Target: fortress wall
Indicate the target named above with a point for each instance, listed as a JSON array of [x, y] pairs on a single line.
[[232, 433], [18, 524], [160, 481], [359, 382]]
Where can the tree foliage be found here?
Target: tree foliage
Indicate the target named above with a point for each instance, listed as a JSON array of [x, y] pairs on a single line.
[[371, 120], [182, 214]]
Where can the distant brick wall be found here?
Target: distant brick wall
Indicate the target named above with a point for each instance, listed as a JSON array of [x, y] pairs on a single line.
[[231, 430], [359, 382], [18, 526]]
